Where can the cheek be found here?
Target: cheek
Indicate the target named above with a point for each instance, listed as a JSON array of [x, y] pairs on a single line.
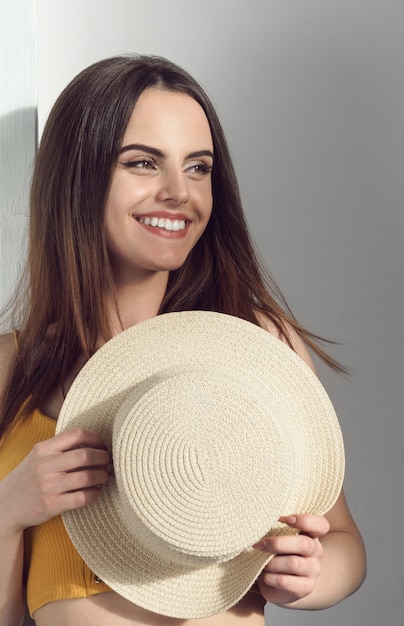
[[125, 194], [205, 201], [206, 208]]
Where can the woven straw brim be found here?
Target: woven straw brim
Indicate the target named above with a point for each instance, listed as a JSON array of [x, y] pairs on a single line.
[[217, 429]]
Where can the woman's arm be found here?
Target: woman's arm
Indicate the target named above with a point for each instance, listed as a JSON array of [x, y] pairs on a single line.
[[326, 562], [11, 543], [12, 608], [59, 474]]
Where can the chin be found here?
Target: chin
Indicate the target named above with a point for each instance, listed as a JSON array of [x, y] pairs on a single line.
[[170, 265]]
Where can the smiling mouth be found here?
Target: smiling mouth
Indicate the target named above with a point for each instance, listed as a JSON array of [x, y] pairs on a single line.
[[163, 222]]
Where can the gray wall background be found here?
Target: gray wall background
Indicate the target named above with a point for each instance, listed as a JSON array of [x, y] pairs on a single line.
[[311, 96]]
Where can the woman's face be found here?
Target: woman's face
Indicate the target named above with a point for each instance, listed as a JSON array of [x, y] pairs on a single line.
[[160, 199]]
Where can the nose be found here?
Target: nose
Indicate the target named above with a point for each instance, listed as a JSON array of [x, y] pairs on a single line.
[[174, 188]]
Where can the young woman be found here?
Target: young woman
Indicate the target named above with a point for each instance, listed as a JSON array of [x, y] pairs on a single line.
[[135, 211]]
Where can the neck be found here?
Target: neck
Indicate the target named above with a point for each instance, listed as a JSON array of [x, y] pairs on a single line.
[[137, 301]]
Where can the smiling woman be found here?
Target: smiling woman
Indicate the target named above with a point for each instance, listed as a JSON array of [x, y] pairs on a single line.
[[135, 212]]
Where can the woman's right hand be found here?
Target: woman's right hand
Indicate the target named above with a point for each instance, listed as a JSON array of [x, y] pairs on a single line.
[[59, 474]]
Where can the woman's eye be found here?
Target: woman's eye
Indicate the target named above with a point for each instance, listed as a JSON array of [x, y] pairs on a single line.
[[141, 164], [200, 169]]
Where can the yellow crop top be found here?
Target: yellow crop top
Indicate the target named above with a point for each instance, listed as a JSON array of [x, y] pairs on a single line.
[[53, 568]]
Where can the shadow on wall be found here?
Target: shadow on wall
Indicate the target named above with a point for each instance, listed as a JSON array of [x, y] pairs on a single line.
[[18, 141]]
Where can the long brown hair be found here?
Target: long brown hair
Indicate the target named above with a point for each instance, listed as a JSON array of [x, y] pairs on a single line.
[[68, 276]]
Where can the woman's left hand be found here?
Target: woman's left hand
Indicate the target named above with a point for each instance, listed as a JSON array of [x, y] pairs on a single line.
[[293, 572]]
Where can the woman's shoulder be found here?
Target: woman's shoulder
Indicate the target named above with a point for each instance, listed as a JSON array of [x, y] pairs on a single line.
[[8, 349], [290, 337]]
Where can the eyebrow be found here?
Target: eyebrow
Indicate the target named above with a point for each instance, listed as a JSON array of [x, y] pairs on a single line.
[[160, 154]]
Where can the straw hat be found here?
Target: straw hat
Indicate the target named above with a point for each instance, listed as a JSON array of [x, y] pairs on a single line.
[[217, 429]]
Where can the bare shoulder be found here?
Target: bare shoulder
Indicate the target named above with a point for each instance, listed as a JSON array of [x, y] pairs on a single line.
[[296, 342], [8, 350]]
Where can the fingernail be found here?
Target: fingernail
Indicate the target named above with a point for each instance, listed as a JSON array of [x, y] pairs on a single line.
[[288, 519], [261, 545]]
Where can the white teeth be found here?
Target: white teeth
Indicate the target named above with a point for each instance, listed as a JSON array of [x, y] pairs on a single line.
[[162, 222]]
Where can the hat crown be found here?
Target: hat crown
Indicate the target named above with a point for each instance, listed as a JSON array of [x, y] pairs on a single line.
[[190, 466]]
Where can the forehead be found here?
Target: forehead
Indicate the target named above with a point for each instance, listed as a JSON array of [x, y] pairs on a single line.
[[168, 117]]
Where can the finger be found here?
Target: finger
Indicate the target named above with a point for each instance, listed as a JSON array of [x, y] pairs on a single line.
[[70, 439], [76, 499], [294, 565], [301, 545], [74, 460], [284, 589], [54, 466], [85, 479], [81, 438], [312, 525]]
